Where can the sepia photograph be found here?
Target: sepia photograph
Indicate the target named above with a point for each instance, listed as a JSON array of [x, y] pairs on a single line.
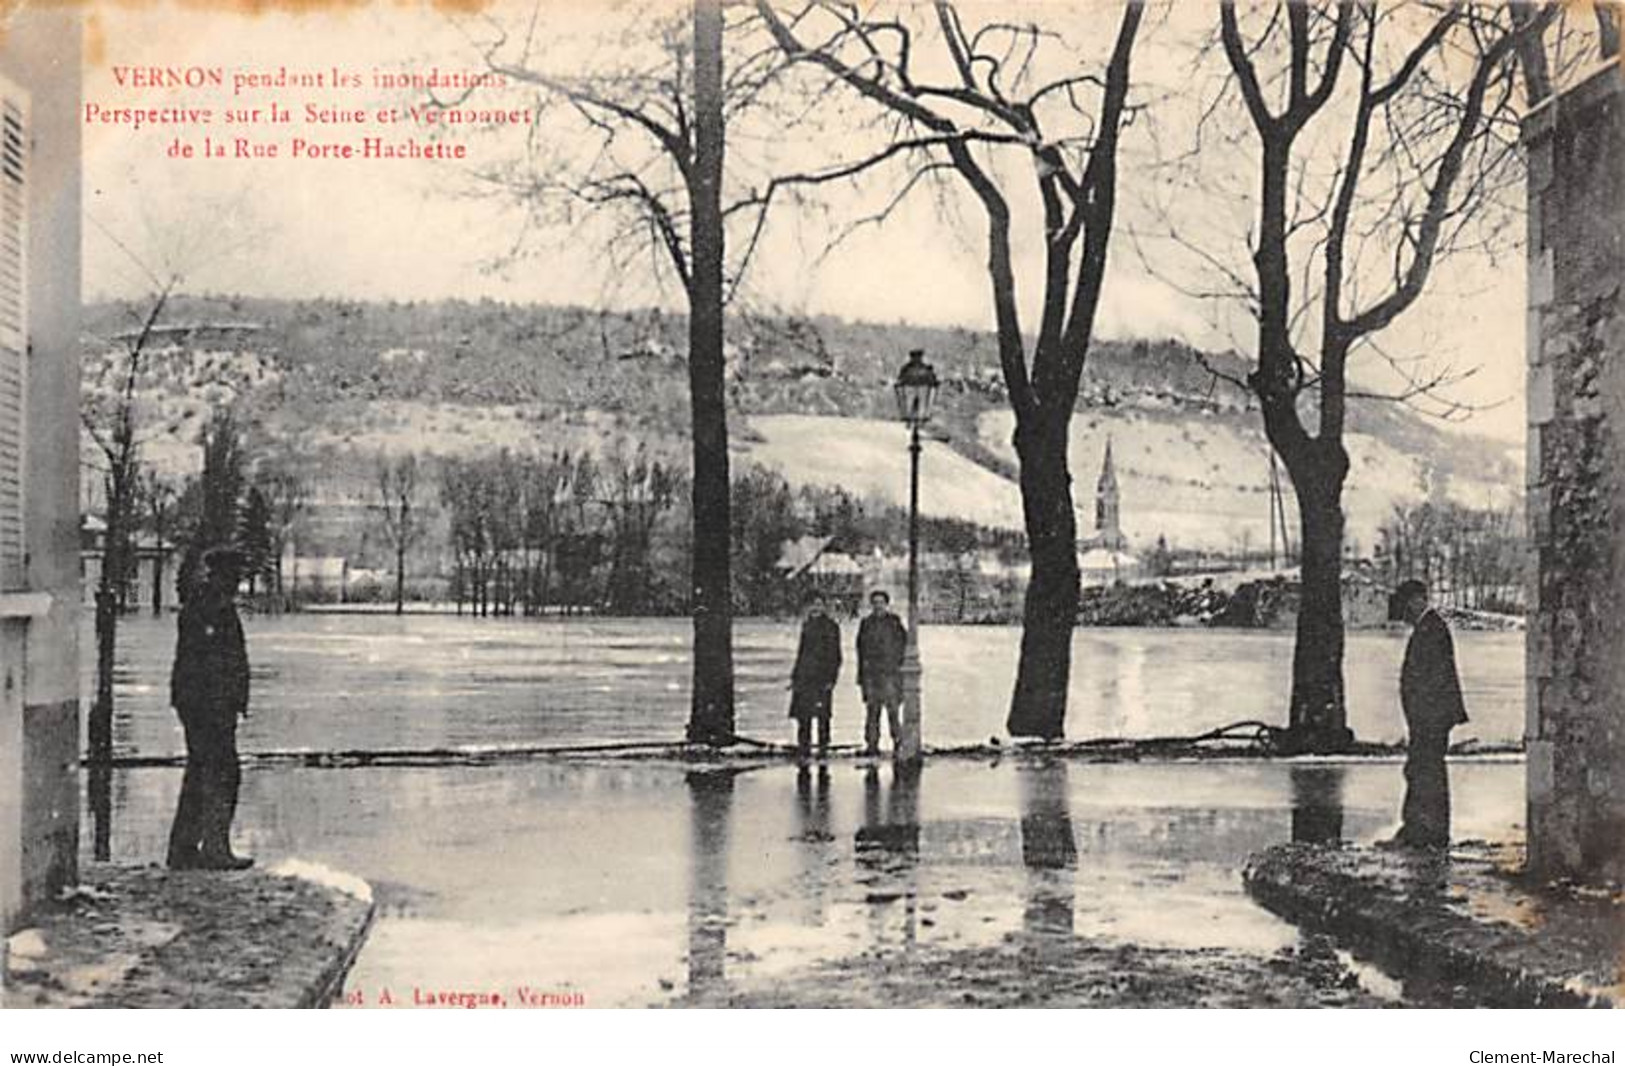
[[557, 504]]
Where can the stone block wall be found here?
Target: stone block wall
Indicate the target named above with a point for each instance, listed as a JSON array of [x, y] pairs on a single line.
[[1576, 493]]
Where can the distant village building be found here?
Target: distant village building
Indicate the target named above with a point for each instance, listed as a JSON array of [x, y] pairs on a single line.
[[809, 564], [1108, 507], [315, 578], [1103, 559], [152, 584]]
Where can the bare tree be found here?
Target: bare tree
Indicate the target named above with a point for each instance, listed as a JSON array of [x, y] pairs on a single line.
[[1415, 103], [159, 499], [288, 494], [999, 99], [653, 114], [641, 490], [399, 513], [114, 412], [654, 118], [111, 421]]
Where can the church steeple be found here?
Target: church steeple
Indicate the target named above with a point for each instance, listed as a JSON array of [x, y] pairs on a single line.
[[1108, 521]]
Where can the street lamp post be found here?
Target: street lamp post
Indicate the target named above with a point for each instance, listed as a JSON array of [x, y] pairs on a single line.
[[916, 388]]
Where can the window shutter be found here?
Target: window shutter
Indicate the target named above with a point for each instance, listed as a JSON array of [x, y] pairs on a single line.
[[14, 136]]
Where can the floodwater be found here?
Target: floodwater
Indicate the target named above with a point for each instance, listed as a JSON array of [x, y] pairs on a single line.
[[622, 883], [373, 682], [638, 883]]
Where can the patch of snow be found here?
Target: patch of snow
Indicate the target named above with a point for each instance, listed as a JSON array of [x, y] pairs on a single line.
[[26, 944], [869, 458], [327, 877], [90, 893]]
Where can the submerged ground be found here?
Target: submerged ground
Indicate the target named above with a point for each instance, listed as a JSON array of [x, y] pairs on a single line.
[[633, 883], [1019, 880]]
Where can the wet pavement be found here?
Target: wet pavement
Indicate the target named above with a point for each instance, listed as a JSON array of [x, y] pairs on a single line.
[[616, 883]]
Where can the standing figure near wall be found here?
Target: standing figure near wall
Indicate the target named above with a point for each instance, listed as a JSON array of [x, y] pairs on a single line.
[[1430, 694], [209, 691]]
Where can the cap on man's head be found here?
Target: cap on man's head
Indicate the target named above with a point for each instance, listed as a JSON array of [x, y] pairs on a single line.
[[880, 594], [1410, 587], [224, 557], [1407, 590]]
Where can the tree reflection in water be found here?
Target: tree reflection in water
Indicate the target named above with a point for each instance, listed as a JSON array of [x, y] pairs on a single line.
[[814, 837], [100, 792], [1048, 848], [1317, 803], [710, 794]]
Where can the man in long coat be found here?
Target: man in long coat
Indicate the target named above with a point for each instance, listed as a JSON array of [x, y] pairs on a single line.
[[881, 642], [812, 679], [209, 691], [1430, 693]]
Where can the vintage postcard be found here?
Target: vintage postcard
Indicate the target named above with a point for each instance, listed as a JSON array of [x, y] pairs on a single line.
[[545, 504]]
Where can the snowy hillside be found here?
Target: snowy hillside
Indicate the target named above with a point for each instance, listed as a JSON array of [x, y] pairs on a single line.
[[328, 385], [1203, 481], [869, 457]]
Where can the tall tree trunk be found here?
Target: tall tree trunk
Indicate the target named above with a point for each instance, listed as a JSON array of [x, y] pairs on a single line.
[[1319, 715], [711, 713], [545, 590], [400, 578], [101, 712], [1038, 708], [109, 585]]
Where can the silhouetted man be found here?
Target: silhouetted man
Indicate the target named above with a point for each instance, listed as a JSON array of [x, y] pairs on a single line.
[[881, 642], [1430, 693], [812, 679], [209, 691]]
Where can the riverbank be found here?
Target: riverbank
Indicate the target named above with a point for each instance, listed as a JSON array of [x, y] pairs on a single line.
[[144, 936]]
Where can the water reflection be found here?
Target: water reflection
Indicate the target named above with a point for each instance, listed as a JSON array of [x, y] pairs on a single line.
[[99, 789], [1049, 850], [617, 877], [710, 794], [813, 834], [887, 848], [1317, 804]]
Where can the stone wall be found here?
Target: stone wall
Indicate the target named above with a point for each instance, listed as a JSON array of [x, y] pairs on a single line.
[[1576, 645], [39, 689]]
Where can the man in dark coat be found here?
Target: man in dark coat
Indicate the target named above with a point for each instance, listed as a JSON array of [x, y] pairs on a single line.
[[209, 691], [881, 642], [812, 679], [1430, 693]]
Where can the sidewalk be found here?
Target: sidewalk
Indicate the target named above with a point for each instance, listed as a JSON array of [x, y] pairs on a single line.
[[1465, 927], [142, 936]]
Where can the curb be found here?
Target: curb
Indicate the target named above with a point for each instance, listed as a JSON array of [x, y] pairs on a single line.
[[1406, 913]]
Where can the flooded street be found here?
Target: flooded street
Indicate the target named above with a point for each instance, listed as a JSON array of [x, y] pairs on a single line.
[[619, 883], [372, 682], [639, 883]]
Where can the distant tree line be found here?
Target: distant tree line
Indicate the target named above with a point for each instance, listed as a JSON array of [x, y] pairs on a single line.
[[573, 531], [1469, 557]]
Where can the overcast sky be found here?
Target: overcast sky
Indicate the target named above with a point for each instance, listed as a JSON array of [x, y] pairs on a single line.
[[414, 230]]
